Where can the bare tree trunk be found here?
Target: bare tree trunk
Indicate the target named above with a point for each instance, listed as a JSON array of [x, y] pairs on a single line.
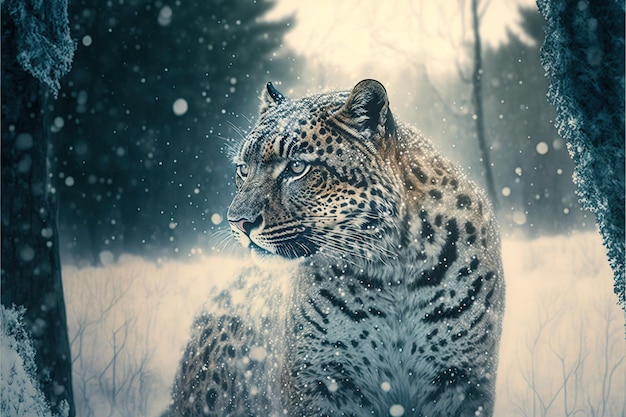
[[31, 269], [477, 99]]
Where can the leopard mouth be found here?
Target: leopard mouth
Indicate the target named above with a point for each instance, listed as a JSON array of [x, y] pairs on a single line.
[[295, 248]]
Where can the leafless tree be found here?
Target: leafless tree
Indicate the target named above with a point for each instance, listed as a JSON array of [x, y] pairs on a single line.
[[564, 374], [612, 358], [571, 373], [477, 100], [112, 365], [541, 393]]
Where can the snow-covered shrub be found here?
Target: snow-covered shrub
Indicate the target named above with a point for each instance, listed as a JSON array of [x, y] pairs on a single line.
[[583, 55], [20, 395]]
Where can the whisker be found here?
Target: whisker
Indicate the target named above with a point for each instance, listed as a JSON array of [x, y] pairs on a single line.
[[241, 132], [225, 239]]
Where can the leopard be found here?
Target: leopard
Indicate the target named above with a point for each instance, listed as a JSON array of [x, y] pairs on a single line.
[[391, 295]]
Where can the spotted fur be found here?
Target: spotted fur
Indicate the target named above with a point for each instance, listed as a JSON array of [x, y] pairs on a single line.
[[396, 294]]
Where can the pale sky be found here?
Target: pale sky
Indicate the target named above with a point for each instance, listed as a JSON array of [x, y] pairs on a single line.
[[372, 36]]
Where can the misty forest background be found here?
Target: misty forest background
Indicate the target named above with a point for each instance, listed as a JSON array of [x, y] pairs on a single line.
[[139, 138], [158, 93]]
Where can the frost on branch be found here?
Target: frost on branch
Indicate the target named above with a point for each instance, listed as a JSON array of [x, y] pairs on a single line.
[[45, 48], [21, 395], [583, 55]]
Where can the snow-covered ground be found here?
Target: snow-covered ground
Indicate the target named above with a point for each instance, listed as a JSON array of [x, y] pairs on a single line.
[[130, 321]]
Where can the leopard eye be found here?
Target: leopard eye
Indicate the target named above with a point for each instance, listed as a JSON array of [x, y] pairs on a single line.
[[243, 170], [298, 168]]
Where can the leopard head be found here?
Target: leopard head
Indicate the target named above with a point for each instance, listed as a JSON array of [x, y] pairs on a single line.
[[315, 176]]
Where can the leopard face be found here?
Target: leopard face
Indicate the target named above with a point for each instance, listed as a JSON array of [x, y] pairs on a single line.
[[314, 176]]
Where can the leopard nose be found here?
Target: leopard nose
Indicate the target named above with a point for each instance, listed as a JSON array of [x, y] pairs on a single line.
[[245, 225]]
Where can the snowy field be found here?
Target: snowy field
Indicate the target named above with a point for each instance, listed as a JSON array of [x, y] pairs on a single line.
[[562, 351]]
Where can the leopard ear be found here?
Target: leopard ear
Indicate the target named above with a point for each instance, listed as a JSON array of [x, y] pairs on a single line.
[[366, 112], [270, 97]]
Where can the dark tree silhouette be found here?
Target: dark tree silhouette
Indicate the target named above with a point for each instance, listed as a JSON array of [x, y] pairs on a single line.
[[477, 100], [36, 50], [583, 55]]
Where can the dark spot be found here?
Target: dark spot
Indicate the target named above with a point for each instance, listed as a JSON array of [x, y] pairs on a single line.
[[329, 149], [322, 131], [438, 220], [339, 152], [340, 345], [303, 135], [464, 272], [421, 176], [432, 334], [463, 201], [376, 312], [205, 335], [427, 232], [211, 397], [459, 335], [436, 194], [230, 351]]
